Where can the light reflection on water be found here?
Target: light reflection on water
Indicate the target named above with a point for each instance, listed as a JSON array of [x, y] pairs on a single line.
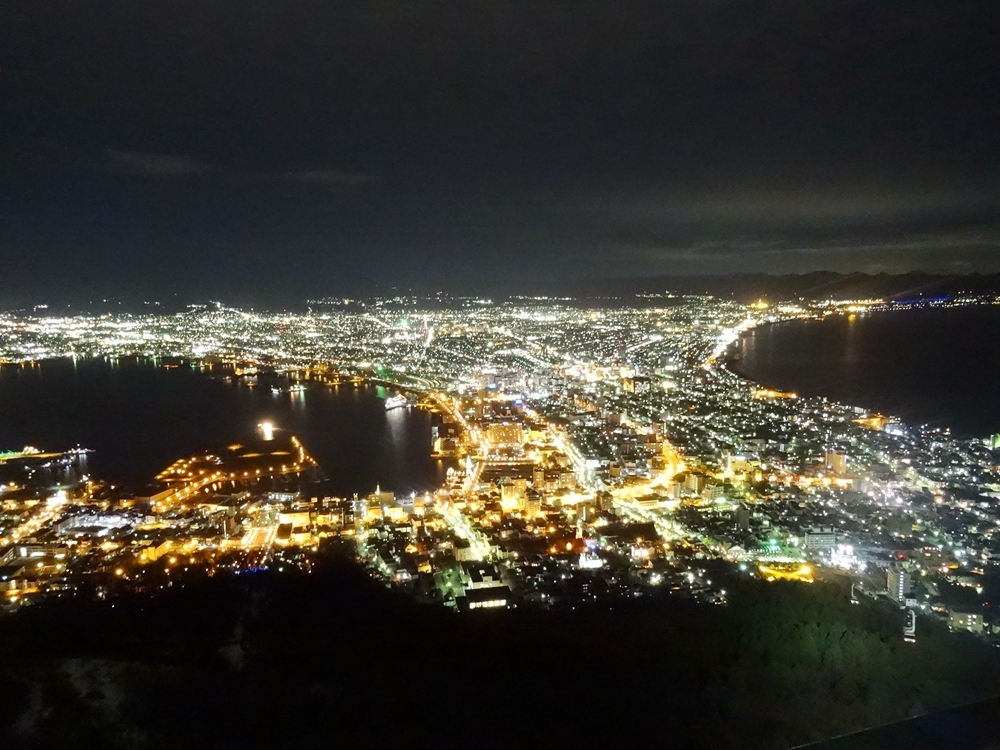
[[139, 418], [937, 367]]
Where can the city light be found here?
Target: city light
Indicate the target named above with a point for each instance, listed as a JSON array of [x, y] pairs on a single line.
[[574, 439]]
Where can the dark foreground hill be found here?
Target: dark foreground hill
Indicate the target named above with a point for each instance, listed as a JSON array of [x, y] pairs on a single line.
[[334, 659]]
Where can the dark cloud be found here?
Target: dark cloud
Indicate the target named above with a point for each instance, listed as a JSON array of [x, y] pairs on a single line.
[[472, 141], [327, 177], [177, 165], [948, 229], [165, 165]]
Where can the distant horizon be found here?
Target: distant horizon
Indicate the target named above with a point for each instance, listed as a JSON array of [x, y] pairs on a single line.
[[741, 286]]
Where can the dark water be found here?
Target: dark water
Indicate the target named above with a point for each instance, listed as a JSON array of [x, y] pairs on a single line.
[[139, 418], [937, 367]]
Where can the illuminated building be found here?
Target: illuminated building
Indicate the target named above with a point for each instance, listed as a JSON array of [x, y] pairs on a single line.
[[836, 463], [492, 598], [766, 393], [874, 422], [297, 519], [480, 576], [267, 430], [694, 483], [482, 587], [963, 619], [637, 385], [714, 492], [821, 538], [463, 551], [503, 434], [379, 499], [898, 583], [512, 493], [96, 524]]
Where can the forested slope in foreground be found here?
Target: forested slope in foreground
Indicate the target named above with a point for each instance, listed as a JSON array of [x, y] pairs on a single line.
[[272, 660]]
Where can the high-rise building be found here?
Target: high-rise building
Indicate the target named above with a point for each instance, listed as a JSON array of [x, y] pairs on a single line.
[[512, 494], [694, 483], [743, 518], [898, 583], [836, 463]]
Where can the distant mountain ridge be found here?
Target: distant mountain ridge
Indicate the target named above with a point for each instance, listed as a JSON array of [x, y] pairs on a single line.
[[815, 285]]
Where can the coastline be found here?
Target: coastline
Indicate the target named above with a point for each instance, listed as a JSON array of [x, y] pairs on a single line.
[[96, 401], [733, 363]]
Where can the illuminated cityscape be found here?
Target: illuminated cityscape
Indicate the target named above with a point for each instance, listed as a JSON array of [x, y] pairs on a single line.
[[485, 374], [597, 454]]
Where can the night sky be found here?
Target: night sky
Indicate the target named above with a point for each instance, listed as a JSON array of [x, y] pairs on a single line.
[[255, 152]]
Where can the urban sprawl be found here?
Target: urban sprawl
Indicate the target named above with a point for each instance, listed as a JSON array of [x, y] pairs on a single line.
[[597, 453]]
